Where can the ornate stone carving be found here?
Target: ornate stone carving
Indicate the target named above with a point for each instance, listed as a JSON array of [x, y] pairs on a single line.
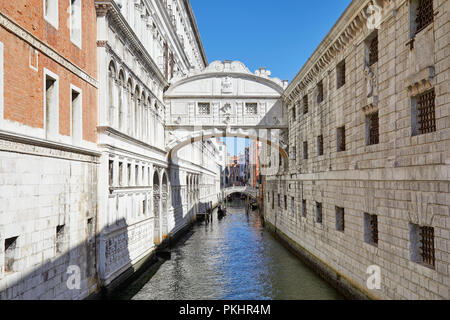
[[420, 211], [227, 85]]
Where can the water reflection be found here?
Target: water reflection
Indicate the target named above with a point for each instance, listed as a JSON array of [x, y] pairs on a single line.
[[233, 258]]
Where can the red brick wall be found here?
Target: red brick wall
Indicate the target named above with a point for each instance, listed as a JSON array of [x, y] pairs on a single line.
[[24, 87]]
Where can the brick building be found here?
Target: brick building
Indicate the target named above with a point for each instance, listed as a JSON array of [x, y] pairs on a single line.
[[367, 182], [48, 158]]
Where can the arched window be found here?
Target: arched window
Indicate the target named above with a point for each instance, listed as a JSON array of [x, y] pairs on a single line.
[[111, 93], [129, 107], [136, 112], [121, 101]]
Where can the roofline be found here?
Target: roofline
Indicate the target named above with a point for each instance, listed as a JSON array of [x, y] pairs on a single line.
[[193, 21]]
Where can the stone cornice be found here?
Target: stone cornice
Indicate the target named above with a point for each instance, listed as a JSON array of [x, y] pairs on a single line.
[[196, 32], [33, 41], [113, 10], [352, 21]]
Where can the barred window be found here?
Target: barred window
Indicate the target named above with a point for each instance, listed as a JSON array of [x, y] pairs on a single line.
[[285, 202], [422, 244], [305, 104], [371, 229], [372, 125], [318, 212], [11, 253], [372, 45], [304, 212], [251, 108], [340, 134], [320, 92], [320, 145], [424, 113], [340, 225], [204, 108], [305, 150], [340, 74], [424, 14]]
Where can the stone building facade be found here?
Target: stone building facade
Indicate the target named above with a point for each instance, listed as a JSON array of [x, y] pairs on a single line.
[[48, 157], [366, 185]]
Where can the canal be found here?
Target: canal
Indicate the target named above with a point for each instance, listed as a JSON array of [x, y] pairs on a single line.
[[230, 259]]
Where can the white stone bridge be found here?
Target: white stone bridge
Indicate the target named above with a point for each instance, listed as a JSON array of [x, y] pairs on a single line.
[[247, 190]]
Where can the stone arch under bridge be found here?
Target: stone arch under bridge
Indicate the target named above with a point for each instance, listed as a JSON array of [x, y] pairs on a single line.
[[226, 100]]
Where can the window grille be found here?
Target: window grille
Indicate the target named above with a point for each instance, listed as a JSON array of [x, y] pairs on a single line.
[[318, 212], [320, 145], [373, 128], [340, 70], [305, 104], [340, 219], [304, 208], [426, 112], [341, 139], [373, 50], [251, 108], [424, 14], [427, 245], [305, 150], [320, 92], [204, 109]]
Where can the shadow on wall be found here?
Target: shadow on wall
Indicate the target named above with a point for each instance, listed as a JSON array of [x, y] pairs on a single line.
[[70, 275]]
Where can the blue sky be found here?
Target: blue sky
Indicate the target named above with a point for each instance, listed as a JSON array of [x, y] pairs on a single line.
[[279, 35]]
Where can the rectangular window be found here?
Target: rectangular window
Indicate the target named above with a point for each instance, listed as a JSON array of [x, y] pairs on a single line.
[[77, 116], [305, 104], [121, 174], [372, 128], [251, 108], [305, 150], [318, 212], [424, 14], [136, 175], [273, 200], [320, 145], [60, 238], [285, 202], [111, 172], [320, 92], [292, 205], [423, 113], [340, 139], [51, 12], [293, 113], [129, 173], [11, 252], [340, 74], [51, 106], [279, 201], [204, 109], [75, 22], [340, 219], [371, 229], [1, 82], [372, 48], [422, 244], [304, 212]]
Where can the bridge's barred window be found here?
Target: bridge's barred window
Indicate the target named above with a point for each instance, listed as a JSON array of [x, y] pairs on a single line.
[[340, 224], [424, 14], [318, 212], [304, 212], [423, 113], [422, 244], [204, 108], [305, 104], [11, 251], [372, 127], [371, 229], [340, 138], [371, 45], [320, 92], [251, 108], [340, 74], [60, 238], [305, 150], [320, 145]]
